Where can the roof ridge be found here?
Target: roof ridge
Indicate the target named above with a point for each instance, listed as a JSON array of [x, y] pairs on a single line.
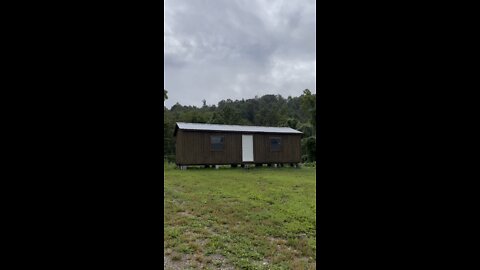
[[230, 125], [235, 128]]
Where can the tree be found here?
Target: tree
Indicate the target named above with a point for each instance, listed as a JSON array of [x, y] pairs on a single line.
[[292, 123], [226, 114], [308, 105], [309, 148], [165, 96]]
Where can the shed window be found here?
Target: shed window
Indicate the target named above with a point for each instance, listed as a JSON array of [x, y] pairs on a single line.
[[217, 143], [275, 144]]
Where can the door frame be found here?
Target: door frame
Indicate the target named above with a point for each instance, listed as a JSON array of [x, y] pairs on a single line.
[[253, 152]]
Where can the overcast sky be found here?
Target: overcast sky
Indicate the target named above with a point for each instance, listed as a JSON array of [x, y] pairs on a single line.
[[220, 49]]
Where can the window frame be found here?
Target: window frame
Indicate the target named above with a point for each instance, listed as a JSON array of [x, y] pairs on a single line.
[[223, 143], [279, 139]]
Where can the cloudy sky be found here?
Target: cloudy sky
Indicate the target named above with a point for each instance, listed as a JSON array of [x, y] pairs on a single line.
[[220, 49]]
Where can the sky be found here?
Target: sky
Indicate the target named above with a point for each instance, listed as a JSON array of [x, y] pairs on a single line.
[[234, 49]]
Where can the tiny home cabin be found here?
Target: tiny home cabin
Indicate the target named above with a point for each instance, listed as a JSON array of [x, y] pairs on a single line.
[[212, 144]]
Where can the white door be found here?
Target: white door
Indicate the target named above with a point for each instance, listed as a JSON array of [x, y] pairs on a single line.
[[247, 148]]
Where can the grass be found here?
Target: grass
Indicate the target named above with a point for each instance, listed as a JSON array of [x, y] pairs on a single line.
[[232, 218]]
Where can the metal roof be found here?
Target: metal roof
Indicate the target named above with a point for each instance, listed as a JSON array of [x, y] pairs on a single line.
[[236, 128]]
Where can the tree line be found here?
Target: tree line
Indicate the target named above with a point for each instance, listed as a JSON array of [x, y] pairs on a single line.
[[269, 110]]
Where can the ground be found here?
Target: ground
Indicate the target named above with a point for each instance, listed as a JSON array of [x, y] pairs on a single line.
[[235, 218]]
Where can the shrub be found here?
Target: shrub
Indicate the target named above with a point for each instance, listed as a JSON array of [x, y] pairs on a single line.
[[309, 148], [310, 164], [169, 158]]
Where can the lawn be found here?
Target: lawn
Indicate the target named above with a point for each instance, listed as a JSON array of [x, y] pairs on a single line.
[[235, 218]]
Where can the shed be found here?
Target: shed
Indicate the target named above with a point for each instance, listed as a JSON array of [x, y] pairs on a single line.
[[212, 144]]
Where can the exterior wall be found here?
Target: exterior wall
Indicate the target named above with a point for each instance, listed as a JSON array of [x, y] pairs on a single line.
[[193, 148], [290, 149]]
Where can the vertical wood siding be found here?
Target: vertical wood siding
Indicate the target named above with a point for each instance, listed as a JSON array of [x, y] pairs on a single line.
[[290, 149], [193, 148]]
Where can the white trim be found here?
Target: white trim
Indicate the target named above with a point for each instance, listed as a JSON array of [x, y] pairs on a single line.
[[247, 148]]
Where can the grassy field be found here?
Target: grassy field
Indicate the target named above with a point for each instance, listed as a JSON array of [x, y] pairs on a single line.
[[233, 218]]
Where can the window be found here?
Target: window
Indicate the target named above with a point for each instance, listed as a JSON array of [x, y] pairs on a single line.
[[275, 144], [217, 143]]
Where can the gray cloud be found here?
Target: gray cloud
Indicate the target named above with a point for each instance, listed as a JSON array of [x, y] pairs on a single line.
[[218, 49]]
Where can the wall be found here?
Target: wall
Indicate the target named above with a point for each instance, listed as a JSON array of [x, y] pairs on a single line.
[[193, 148]]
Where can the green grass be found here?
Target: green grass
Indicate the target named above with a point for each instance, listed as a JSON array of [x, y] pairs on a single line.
[[261, 218]]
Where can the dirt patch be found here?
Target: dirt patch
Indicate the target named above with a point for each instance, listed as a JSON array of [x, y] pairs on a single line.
[[186, 214], [169, 264], [281, 244], [196, 261], [221, 262]]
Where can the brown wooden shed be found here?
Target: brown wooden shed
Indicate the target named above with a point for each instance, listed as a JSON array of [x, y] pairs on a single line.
[[212, 144]]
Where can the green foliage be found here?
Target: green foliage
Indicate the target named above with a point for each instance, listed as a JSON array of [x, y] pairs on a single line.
[[309, 148], [309, 107], [306, 128], [170, 158], [292, 123], [269, 110]]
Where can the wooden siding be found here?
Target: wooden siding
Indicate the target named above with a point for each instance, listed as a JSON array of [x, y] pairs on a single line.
[[193, 148], [289, 153]]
